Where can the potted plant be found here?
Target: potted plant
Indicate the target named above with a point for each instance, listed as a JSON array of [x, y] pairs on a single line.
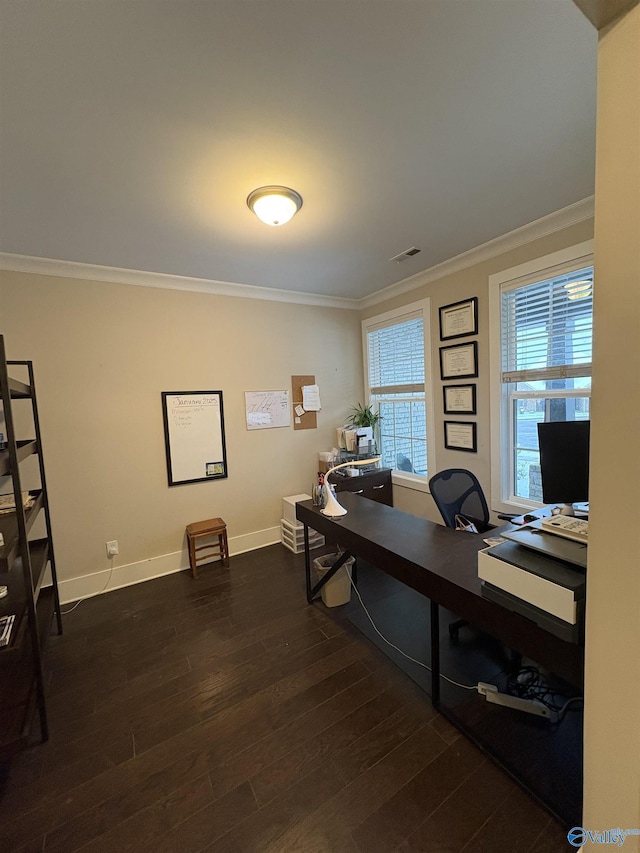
[[364, 416]]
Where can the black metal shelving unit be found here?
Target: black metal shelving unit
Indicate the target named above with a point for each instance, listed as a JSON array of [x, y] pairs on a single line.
[[32, 595]]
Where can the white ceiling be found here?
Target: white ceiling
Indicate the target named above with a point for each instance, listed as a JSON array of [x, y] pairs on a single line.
[[133, 130]]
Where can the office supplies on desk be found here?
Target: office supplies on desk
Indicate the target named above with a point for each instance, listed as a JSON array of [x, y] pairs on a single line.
[[532, 536], [331, 505], [567, 526]]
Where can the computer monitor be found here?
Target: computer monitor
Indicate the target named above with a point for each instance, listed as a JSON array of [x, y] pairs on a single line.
[[564, 463]]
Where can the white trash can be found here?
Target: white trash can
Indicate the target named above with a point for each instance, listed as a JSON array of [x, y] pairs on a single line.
[[338, 590]]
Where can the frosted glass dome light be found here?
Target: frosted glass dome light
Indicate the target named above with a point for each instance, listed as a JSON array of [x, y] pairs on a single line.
[[274, 205]]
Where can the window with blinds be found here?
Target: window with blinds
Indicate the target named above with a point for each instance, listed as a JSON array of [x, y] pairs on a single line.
[[396, 358], [397, 377], [546, 332], [547, 329]]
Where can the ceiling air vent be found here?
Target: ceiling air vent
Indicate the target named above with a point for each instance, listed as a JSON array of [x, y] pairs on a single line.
[[408, 253]]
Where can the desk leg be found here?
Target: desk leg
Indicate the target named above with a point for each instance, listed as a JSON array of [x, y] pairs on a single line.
[[307, 562], [435, 654]]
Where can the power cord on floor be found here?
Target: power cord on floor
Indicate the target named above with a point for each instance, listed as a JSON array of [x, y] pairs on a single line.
[[393, 646], [530, 683], [80, 600], [527, 683]]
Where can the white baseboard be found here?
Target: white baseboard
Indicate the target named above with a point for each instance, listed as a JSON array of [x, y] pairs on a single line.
[[106, 580]]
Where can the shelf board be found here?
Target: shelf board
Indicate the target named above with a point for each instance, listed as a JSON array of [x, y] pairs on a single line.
[[23, 448], [18, 390], [16, 601], [9, 529]]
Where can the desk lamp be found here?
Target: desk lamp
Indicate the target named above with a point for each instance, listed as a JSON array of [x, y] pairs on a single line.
[[331, 505]]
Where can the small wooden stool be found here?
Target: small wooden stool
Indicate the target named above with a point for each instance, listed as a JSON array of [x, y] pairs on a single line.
[[202, 529]]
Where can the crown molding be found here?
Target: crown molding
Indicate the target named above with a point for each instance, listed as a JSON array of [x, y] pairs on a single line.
[[601, 13], [139, 278], [556, 221]]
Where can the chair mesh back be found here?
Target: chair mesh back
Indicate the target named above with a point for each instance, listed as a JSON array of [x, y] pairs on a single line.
[[458, 492]]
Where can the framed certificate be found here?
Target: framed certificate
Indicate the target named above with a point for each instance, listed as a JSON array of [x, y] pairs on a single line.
[[459, 435], [459, 399], [459, 319], [459, 361]]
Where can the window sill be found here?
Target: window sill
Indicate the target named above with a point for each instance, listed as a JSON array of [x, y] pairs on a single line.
[[410, 481], [513, 508]]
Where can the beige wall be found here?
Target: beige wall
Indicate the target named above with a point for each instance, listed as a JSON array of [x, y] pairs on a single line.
[[612, 706], [102, 355], [473, 281]]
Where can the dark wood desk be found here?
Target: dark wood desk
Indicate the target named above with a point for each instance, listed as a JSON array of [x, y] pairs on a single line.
[[441, 564]]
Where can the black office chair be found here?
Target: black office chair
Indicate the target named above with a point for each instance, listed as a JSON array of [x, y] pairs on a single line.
[[457, 491]]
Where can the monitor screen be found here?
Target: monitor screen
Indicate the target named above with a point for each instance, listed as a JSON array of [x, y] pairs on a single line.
[[564, 461]]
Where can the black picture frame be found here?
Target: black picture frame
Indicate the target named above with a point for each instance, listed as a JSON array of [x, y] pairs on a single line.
[[459, 361], [194, 436], [461, 392], [459, 319], [461, 435]]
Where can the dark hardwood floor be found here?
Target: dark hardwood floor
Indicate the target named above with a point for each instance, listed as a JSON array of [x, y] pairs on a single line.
[[226, 714]]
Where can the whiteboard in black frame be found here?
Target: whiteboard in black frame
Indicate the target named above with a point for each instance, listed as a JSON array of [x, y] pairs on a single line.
[[194, 436]]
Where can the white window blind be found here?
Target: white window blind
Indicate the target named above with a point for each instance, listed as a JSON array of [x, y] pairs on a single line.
[[547, 329], [396, 357], [396, 349]]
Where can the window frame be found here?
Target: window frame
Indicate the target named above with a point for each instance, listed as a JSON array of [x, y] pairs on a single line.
[[502, 437], [389, 318]]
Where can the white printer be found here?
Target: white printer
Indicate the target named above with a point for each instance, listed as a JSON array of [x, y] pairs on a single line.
[[539, 575]]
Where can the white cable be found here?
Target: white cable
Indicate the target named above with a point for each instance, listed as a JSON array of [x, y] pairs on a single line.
[[389, 643], [80, 600], [560, 713]]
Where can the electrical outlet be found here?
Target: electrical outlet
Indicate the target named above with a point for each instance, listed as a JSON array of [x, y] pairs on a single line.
[[112, 548]]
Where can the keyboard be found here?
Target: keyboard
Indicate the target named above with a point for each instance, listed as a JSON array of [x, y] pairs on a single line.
[[567, 526]]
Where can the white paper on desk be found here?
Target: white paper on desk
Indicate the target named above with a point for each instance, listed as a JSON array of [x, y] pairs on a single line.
[[311, 398]]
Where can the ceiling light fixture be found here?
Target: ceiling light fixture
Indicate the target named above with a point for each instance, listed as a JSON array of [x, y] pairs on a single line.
[[274, 205], [578, 289]]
